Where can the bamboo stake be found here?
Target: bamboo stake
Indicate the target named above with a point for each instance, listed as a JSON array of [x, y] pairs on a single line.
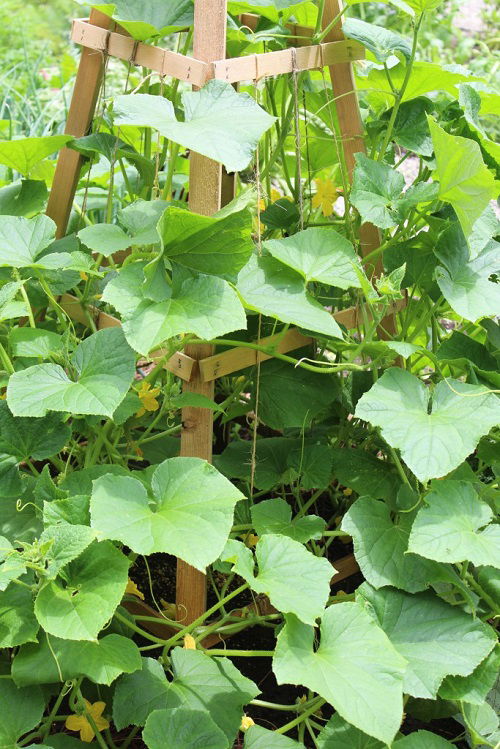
[[205, 181]]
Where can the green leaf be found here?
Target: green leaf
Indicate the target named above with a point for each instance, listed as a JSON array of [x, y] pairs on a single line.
[[319, 254], [23, 240], [470, 101], [22, 710], [399, 403], [411, 129], [104, 366], [377, 193], [182, 728], [278, 460], [166, 520], [475, 687], [462, 348], [291, 396], [144, 19], [464, 180], [218, 246], [53, 660], [465, 283], [379, 40], [355, 667], [24, 154], [219, 123], [23, 198], [275, 516], [447, 528], [9, 308], [337, 734], [11, 564], [78, 604], [257, 737], [73, 510], [31, 438], [295, 580], [139, 693], [17, 620], [212, 684], [419, 6], [380, 547], [364, 473], [204, 305], [422, 740], [35, 342], [430, 635], [66, 542], [104, 238], [112, 149], [269, 287], [274, 10]]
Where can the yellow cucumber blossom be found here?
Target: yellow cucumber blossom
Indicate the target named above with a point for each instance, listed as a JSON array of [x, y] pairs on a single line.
[[133, 590], [246, 722], [325, 197], [189, 642], [147, 396], [82, 724]]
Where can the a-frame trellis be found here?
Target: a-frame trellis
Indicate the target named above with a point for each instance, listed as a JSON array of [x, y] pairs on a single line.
[[198, 366]]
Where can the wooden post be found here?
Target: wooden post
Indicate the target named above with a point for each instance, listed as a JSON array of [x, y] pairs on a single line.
[[80, 115], [349, 117], [205, 184]]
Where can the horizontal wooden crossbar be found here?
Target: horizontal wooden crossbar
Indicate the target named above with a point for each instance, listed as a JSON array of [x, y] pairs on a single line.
[[235, 70]]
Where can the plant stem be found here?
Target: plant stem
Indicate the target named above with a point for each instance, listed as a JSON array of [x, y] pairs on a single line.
[[240, 653], [315, 705]]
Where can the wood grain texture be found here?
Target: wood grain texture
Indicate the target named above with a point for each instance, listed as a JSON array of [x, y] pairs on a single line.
[[80, 115], [205, 184]]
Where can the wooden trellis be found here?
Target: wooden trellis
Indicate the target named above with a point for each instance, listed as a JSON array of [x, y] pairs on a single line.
[[199, 366]]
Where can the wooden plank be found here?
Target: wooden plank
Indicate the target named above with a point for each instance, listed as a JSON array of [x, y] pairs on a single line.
[[232, 360], [179, 363], [345, 566], [268, 64], [205, 181], [122, 46], [80, 115]]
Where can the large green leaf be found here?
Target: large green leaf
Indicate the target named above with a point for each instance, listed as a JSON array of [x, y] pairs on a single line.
[[183, 728], [295, 580], [258, 737], [11, 564], [379, 40], [31, 438], [103, 366], [411, 129], [213, 684], [17, 620], [430, 634], [278, 460], [219, 123], [448, 527], [463, 348], [112, 149], [365, 473], [377, 193], [138, 694], [465, 283], [23, 240], [380, 547], [475, 687], [9, 307], [219, 246], [24, 154], [22, 710], [337, 734], [422, 740], [204, 305], [319, 254], [53, 660], [77, 605], [275, 516], [35, 342], [355, 667], [167, 519], [429, 433], [144, 19], [464, 180], [23, 198], [65, 542], [269, 287], [291, 396]]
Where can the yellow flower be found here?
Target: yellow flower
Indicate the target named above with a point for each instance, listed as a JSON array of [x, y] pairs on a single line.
[[147, 396], [251, 540], [133, 590], [189, 642], [81, 722], [83, 275], [325, 197], [246, 722], [347, 492]]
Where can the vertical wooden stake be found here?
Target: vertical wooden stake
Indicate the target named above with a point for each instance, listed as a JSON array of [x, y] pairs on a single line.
[[205, 184], [80, 115], [349, 117]]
